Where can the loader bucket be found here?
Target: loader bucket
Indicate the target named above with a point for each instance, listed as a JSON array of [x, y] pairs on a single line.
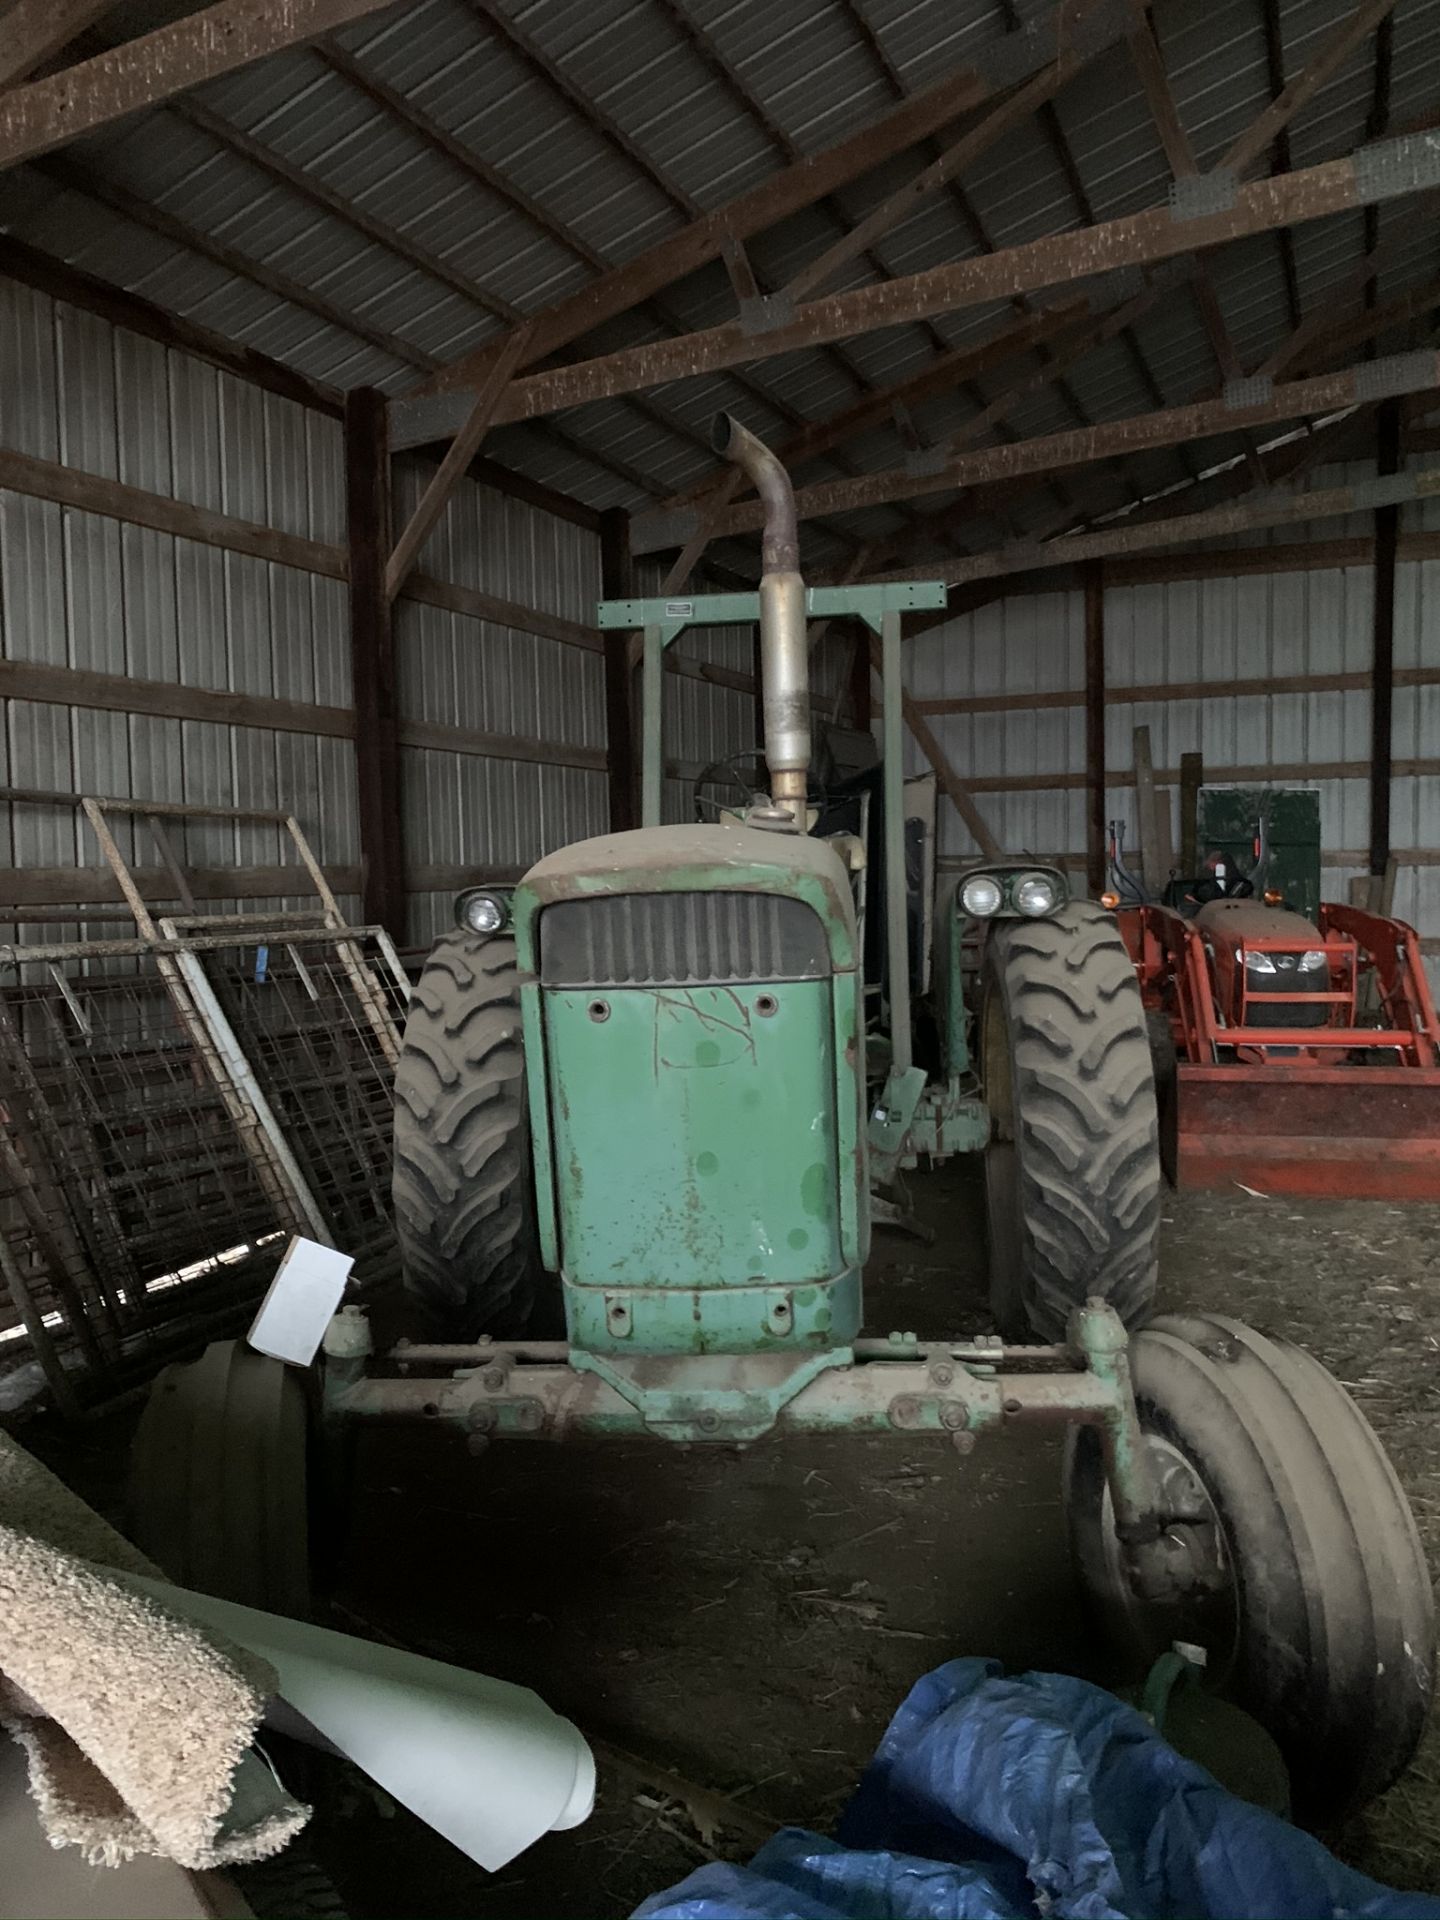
[[1347, 1132]]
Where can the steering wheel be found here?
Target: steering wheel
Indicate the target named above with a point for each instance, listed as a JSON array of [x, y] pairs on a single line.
[[1235, 887], [725, 774]]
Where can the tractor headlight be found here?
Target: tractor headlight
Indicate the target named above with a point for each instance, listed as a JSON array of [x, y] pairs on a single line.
[[981, 895], [1258, 962], [1312, 961], [1034, 894], [481, 912]]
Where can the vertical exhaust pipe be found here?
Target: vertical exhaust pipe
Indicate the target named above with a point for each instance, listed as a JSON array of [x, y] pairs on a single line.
[[784, 662]]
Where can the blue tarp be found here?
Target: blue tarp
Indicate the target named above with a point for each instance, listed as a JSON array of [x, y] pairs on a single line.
[[995, 1797]]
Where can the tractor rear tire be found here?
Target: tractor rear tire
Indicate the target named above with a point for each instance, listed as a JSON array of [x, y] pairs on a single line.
[[462, 1184], [1319, 1619], [1072, 1173]]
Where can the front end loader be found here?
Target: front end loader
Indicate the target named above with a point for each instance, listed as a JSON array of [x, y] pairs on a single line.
[[1299, 1043], [638, 1097]]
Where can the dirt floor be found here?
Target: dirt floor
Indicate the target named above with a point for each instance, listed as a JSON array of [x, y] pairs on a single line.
[[751, 1619]]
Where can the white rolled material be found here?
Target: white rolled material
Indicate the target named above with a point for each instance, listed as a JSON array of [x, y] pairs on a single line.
[[485, 1763]]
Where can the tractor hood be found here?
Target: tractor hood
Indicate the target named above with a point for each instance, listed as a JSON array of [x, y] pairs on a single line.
[[1239, 921], [695, 859]]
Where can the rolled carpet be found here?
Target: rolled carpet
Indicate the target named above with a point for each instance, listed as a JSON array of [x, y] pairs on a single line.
[[137, 1726]]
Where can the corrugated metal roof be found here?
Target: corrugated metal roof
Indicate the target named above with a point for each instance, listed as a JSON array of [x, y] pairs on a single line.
[[617, 119]]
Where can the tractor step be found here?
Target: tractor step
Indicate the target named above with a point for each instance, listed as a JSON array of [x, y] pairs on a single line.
[[1325, 1132]]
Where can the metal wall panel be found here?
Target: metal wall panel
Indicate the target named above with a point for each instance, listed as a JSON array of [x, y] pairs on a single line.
[[1030, 645], [1197, 631], [81, 591], [469, 811]]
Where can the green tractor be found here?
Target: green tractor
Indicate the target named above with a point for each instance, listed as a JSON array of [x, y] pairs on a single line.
[[638, 1093], [729, 1018]]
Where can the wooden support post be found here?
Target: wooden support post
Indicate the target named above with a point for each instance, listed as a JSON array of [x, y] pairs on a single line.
[[1153, 807], [372, 661], [616, 584], [1192, 778], [1382, 664], [1095, 823]]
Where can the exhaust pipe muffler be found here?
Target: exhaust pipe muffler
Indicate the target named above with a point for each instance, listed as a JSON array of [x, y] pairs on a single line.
[[784, 659]]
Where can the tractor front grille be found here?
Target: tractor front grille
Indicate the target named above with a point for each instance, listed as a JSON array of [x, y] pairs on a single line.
[[680, 939]]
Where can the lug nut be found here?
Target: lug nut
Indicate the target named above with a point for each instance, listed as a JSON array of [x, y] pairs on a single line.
[[943, 1374], [952, 1417], [493, 1378]]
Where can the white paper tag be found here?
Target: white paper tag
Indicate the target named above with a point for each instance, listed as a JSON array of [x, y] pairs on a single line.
[[303, 1296]]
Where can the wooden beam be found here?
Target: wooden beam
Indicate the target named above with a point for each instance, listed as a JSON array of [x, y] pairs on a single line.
[[616, 583], [121, 308], [1133, 240], [1318, 503], [1073, 329], [45, 114], [1223, 563], [372, 659], [167, 700], [1047, 453], [1096, 828], [1180, 157], [452, 468], [1318, 71], [34, 31], [787, 192], [478, 605], [1382, 657], [117, 693], [900, 206], [90, 493], [943, 375], [439, 737], [1171, 692], [1416, 304]]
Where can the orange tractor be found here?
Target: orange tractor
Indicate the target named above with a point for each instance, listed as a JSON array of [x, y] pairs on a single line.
[[1297, 1043]]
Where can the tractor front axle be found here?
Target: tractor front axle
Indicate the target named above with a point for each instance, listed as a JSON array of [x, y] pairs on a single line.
[[516, 1389]]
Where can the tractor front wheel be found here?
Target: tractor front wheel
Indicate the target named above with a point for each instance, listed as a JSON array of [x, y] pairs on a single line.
[[462, 1185], [1308, 1589], [1072, 1172], [218, 1478]]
